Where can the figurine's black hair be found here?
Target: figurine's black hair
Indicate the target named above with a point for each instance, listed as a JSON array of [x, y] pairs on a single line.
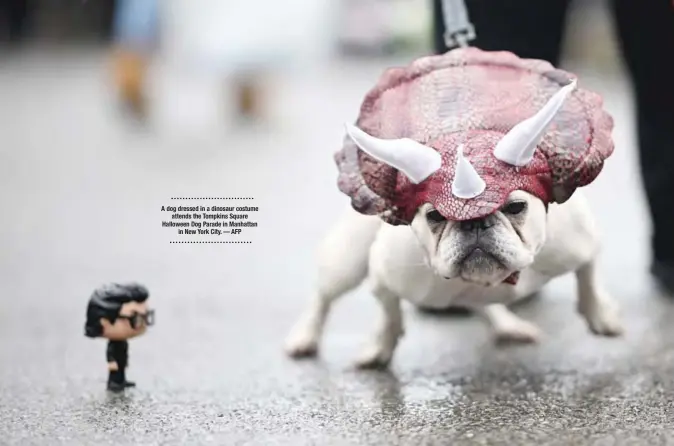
[[106, 301]]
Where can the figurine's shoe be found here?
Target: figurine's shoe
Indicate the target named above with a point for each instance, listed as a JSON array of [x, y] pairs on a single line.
[[129, 384], [116, 387]]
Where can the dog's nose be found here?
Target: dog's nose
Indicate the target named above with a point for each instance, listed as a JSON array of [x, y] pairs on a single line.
[[478, 223]]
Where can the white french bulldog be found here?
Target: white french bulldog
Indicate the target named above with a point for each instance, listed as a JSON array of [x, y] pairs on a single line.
[[436, 263]]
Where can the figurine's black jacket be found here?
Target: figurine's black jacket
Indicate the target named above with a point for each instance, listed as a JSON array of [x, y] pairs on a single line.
[[118, 351]]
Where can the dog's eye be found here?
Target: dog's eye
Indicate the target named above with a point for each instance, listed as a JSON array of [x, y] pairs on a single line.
[[435, 216], [514, 208]]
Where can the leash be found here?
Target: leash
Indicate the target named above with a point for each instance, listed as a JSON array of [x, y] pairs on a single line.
[[459, 31]]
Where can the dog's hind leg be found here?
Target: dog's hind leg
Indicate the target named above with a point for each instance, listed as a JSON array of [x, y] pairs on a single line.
[[342, 266], [595, 304], [509, 327]]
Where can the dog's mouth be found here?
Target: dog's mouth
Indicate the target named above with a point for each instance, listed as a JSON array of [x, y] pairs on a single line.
[[478, 262], [478, 257]]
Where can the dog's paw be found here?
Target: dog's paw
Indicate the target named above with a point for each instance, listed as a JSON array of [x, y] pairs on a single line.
[[603, 320], [517, 331], [375, 356], [301, 343]]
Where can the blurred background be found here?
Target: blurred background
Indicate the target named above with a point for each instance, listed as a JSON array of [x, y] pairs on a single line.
[[154, 53], [145, 43], [109, 108]]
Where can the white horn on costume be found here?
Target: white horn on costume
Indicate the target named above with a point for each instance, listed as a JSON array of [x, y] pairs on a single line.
[[517, 147], [467, 182], [412, 158]]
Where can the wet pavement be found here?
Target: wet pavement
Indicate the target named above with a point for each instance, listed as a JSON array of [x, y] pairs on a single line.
[[81, 196]]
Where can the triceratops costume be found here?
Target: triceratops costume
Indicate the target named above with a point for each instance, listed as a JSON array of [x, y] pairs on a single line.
[[464, 129]]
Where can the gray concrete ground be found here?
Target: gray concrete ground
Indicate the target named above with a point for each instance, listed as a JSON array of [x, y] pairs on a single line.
[[81, 196]]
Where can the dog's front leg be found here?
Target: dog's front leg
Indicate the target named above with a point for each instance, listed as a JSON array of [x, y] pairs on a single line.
[[509, 327], [595, 304], [379, 351]]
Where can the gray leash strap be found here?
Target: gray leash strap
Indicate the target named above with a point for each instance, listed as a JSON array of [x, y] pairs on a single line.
[[458, 29]]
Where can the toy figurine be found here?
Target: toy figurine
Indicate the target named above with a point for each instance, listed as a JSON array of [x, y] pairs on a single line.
[[118, 312]]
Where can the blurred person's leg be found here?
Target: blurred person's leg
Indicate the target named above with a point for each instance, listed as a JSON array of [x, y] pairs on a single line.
[[528, 28], [646, 32], [130, 69], [15, 14], [135, 34], [249, 96]]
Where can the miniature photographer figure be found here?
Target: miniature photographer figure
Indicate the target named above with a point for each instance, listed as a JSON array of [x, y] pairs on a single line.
[[118, 313]]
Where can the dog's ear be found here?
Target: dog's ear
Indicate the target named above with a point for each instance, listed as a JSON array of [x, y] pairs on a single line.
[[572, 131], [413, 159], [371, 169], [587, 144]]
